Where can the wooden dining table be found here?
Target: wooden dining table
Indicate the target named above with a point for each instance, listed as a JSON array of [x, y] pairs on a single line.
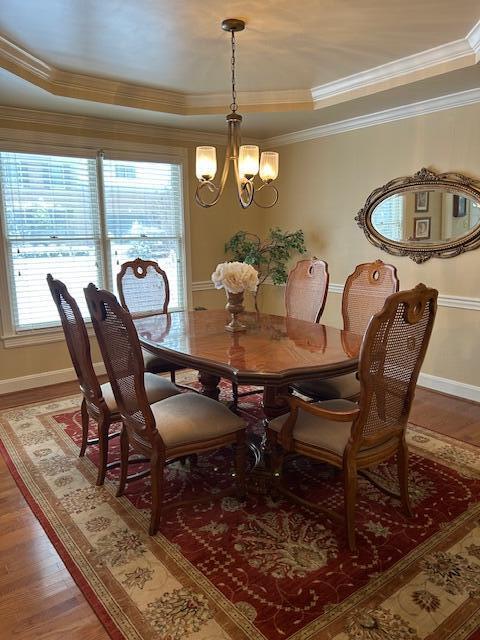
[[273, 352]]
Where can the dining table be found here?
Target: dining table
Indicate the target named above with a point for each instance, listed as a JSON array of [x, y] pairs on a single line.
[[273, 351]]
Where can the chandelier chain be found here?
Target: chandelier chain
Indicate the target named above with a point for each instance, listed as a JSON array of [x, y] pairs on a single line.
[[234, 105]]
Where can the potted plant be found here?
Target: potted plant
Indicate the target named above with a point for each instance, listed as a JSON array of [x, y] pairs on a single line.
[[270, 257]]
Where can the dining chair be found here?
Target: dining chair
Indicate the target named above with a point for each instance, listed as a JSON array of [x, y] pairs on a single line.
[[354, 436], [144, 290], [177, 427], [98, 401], [306, 290], [364, 294], [305, 297]]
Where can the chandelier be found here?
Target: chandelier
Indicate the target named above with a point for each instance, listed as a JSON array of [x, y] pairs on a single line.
[[245, 157]]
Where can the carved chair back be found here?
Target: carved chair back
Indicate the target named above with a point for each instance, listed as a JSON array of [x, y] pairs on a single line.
[[366, 290], [143, 287], [122, 354], [392, 353], [306, 290], [77, 340]]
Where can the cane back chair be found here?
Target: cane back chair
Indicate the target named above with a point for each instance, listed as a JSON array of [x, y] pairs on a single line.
[[364, 295], [98, 401], [144, 290], [305, 297], [306, 290], [354, 437], [177, 427]]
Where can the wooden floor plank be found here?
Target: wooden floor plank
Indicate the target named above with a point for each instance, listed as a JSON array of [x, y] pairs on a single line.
[[32, 573]]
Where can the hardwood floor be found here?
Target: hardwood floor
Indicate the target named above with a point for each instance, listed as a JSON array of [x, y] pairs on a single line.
[[451, 416], [39, 599]]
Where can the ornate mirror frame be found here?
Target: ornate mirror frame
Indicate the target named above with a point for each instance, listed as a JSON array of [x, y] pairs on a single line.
[[423, 180]]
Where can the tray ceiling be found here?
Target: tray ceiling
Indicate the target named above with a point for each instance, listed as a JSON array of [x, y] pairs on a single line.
[[299, 64]]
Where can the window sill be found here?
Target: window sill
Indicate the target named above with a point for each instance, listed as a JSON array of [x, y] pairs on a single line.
[[37, 336]]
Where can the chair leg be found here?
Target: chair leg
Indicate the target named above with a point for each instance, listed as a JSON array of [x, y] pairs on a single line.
[[350, 495], [172, 375], [276, 453], [103, 427], [123, 461], [85, 424], [157, 472], [234, 396], [240, 464], [402, 461]]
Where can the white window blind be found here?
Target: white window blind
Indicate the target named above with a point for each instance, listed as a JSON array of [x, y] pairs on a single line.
[[51, 225], [55, 223], [144, 218], [388, 217]]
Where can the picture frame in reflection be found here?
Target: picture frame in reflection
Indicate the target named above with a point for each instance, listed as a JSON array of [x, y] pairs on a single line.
[[421, 201], [422, 228], [459, 206]]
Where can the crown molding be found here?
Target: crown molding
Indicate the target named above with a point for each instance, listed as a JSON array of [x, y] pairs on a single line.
[[450, 101], [24, 64], [103, 127], [438, 60], [442, 59], [473, 38]]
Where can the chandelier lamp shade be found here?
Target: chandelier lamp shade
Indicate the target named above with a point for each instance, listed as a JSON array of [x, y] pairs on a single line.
[[246, 158]]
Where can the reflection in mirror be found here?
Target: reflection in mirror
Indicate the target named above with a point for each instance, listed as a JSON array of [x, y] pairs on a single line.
[[425, 217]]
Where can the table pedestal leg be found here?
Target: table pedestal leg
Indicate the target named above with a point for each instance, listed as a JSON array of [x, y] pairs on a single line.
[[273, 404], [209, 384], [261, 477]]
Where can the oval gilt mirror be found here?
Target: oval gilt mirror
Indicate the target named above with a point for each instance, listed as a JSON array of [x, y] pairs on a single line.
[[423, 216]]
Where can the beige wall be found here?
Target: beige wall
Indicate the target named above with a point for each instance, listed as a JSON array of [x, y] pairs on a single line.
[[324, 182], [209, 228]]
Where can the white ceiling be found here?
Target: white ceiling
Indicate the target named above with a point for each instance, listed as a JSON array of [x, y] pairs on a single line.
[[178, 44], [288, 45]]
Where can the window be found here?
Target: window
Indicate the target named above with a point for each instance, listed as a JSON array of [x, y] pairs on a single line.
[[124, 171], [388, 217], [55, 221], [144, 217]]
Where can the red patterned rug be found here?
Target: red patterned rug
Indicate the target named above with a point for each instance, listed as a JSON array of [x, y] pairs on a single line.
[[261, 569]]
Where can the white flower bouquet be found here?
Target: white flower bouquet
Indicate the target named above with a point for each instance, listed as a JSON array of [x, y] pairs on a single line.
[[235, 277]]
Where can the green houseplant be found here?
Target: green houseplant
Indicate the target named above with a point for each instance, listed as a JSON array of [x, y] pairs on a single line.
[[269, 256]]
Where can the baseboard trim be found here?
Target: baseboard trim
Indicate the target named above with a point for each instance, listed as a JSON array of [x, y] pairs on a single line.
[[451, 387], [47, 378], [43, 379]]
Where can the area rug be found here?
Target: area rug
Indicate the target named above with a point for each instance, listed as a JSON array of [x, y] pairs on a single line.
[[261, 569]]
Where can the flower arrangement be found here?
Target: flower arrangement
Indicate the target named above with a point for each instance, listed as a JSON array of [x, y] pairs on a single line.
[[235, 277]]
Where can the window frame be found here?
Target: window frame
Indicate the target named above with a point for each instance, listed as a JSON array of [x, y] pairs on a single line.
[[12, 337]]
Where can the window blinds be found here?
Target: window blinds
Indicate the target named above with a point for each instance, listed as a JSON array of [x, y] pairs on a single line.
[[388, 217], [144, 218], [54, 223], [51, 226]]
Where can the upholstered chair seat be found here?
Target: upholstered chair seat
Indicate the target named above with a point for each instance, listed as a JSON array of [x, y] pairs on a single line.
[[157, 389], [346, 386], [155, 364], [323, 433], [191, 417]]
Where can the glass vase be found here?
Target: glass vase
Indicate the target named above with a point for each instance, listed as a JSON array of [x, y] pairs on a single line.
[[235, 308]]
